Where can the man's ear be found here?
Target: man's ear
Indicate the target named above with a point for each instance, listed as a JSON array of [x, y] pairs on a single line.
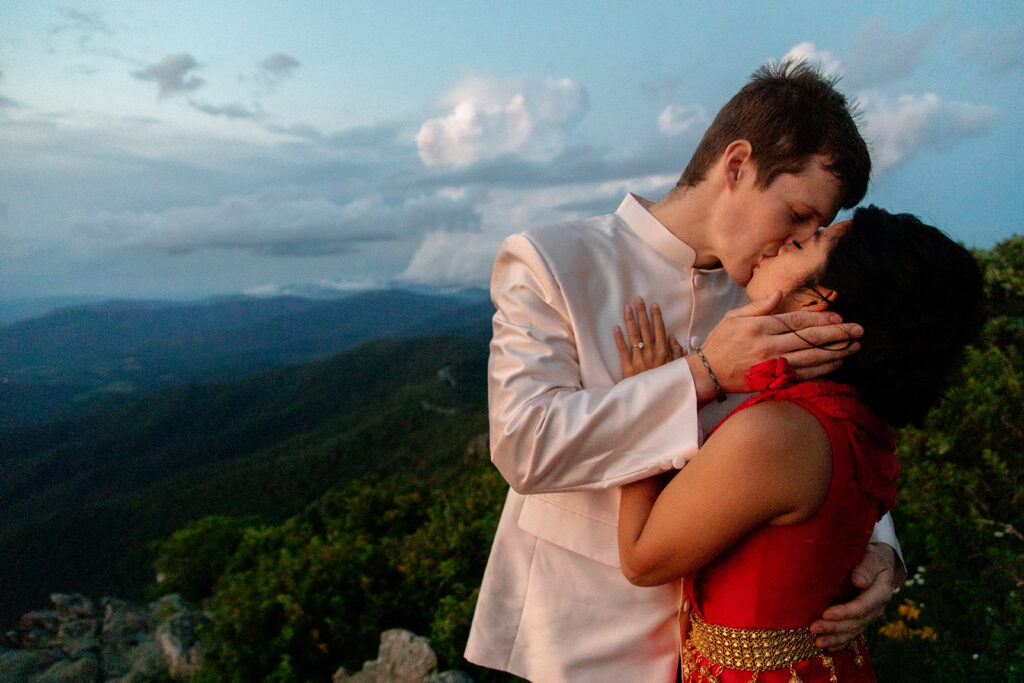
[[736, 161]]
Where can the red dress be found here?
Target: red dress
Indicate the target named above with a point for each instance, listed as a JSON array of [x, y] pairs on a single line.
[[786, 576]]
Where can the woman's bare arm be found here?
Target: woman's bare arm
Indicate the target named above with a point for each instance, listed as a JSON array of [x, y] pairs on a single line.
[[768, 464]]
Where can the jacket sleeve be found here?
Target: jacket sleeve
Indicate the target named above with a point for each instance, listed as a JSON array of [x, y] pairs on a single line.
[[551, 433], [885, 532]]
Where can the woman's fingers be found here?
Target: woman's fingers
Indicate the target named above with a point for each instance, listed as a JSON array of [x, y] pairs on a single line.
[[625, 361], [632, 327], [646, 333]]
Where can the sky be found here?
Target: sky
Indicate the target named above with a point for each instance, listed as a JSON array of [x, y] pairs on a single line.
[[194, 148]]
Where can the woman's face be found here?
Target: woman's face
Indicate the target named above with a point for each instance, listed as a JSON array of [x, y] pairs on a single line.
[[795, 262]]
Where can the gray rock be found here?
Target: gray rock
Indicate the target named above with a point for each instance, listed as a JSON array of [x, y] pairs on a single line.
[[78, 637], [72, 606], [126, 639], [177, 636], [403, 657], [145, 664], [37, 630], [450, 676]]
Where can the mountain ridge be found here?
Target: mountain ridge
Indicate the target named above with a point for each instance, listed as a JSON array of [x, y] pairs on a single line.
[[111, 352]]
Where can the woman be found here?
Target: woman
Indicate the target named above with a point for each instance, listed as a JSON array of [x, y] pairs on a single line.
[[767, 524]]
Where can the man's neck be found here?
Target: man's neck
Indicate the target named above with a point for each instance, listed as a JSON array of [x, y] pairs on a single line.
[[685, 213]]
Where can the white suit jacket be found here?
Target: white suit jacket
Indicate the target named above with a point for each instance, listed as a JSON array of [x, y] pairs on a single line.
[[567, 432]]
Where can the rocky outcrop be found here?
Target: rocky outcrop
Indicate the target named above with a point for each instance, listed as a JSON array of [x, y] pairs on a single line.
[[120, 642], [125, 643], [403, 657]]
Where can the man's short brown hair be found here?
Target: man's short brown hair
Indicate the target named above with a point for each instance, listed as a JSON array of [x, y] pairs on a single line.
[[788, 112]]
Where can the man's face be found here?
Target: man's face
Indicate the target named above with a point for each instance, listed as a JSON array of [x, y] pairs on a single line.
[[760, 220], [795, 263]]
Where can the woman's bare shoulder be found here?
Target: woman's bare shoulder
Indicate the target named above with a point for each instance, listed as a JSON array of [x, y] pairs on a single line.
[[787, 442]]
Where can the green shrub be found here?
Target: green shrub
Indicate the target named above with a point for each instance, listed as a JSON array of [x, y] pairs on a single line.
[[301, 599], [960, 514], [193, 558]]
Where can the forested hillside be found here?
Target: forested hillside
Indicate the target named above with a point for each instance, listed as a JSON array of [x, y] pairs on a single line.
[[81, 499]]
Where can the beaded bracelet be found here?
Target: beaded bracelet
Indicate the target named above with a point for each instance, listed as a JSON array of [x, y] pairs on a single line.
[[707, 366]]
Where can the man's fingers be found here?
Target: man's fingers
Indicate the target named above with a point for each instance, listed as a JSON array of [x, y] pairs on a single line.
[[760, 307], [811, 363], [857, 613], [830, 634], [675, 347], [815, 371], [799, 320], [835, 338], [842, 623]]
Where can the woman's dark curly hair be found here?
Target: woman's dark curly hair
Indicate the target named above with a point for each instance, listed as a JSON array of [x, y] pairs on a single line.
[[919, 296]]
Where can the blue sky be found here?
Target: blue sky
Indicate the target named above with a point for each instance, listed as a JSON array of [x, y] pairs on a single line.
[[183, 149]]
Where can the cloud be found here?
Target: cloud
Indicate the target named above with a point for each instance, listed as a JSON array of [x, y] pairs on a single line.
[[882, 56], [85, 24], [284, 223], [896, 129], [319, 289], [825, 60], [490, 117], [279, 65], [676, 119], [453, 259], [172, 74], [999, 50], [274, 69], [231, 111]]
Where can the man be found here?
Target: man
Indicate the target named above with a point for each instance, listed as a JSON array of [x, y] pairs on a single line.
[[780, 159]]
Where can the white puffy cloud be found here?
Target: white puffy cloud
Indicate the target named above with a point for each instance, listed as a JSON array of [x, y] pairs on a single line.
[[172, 74], [455, 259], [825, 60], [898, 128], [459, 258], [676, 119], [491, 117]]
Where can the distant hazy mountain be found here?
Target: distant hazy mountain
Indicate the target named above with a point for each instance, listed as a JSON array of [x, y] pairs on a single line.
[[13, 310], [103, 354]]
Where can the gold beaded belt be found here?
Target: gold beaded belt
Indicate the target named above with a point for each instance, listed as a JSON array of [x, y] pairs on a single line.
[[751, 649]]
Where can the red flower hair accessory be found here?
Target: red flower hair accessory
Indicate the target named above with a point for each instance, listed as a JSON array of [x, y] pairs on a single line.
[[771, 374]]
